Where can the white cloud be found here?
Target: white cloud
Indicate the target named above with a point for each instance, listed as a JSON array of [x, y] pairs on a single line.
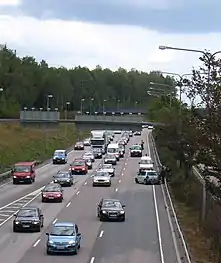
[[10, 2], [70, 43]]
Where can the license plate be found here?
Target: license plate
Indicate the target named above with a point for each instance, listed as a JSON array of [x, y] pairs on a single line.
[[26, 226], [60, 247], [51, 197]]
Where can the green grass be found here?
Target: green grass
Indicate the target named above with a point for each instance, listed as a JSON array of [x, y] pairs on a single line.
[[19, 143]]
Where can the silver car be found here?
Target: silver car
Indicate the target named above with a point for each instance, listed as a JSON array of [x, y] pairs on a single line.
[[89, 155], [88, 162], [110, 159], [87, 142], [147, 177], [101, 178], [109, 169]]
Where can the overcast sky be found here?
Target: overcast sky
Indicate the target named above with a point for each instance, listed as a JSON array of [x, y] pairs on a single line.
[[112, 33]]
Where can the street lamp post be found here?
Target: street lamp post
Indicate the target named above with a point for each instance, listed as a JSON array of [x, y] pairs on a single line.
[[91, 102], [155, 91], [82, 105], [66, 124], [48, 101], [164, 85], [208, 56], [104, 101]]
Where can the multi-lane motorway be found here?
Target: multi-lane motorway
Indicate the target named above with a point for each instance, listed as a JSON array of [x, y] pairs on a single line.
[[145, 236]]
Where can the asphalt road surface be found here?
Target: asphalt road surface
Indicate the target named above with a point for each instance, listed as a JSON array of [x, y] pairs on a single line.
[[145, 236]]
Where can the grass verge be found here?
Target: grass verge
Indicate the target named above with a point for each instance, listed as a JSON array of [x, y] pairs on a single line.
[[187, 201], [27, 143]]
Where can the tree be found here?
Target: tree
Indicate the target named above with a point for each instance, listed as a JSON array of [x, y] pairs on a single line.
[[26, 83]]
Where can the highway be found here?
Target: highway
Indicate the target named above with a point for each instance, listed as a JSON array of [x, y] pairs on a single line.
[[145, 236]]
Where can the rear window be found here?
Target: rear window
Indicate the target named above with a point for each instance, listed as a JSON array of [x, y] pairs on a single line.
[[79, 163]]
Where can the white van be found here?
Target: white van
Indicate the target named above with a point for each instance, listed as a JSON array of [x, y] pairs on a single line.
[[113, 149], [146, 163]]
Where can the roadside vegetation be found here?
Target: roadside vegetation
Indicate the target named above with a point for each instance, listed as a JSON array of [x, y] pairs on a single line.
[[18, 143], [190, 138]]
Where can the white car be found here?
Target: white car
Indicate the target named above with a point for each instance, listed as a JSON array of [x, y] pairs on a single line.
[[89, 155], [109, 169], [146, 163], [88, 162], [101, 178], [87, 142], [110, 159]]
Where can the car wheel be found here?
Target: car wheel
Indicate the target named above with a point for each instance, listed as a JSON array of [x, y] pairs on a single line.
[[43, 200], [145, 182], [136, 181], [48, 252], [123, 219], [101, 218], [38, 229], [15, 229], [79, 245], [14, 182]]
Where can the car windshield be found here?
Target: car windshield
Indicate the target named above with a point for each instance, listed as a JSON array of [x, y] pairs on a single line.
[[111, 204], [107, 166], [110, 156], [136, 147], [27, 213], [22, 169], [51, 188], [63, 231], [152, 174], [64, 175], [79, 143], [87, 159], [146, 162], [101, 173], [112, 150], [121, 146], [78, 163], [58, 153], [97, 149]]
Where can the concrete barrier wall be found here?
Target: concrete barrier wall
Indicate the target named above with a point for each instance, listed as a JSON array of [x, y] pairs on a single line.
[[111, 119], [39, 116]]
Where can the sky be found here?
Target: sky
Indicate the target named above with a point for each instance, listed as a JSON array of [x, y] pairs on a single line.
[[112, 33]]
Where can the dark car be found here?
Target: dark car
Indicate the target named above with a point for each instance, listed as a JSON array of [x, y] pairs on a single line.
[[52, 192], [121, 150], [63, 178], [111, 209], [97, 153], [28, 218], [79, 146]]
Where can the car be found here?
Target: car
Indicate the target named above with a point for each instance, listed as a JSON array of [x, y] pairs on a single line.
[[89, 155], [97, 153], [117, 132], [88, 162], [146, 163], [131, 133], [52, 192], [147, 177], [136, 150], [110, 159], [23, 172], [87, 142], [111, 209], [63, 178], [101, 178], [150, 127], [28, 218], [137, 133], [63, 238], [121, 150], [109, 169], [60, 157], [79, 146], [122, 142], [79, 166]]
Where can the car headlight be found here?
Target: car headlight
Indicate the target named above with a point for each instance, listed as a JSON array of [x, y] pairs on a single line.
[[83, 168], [104, 212], [122, 212], [72, 242], [50, 242], [28, 176], [55, 180], [68, 180], [17, 222]]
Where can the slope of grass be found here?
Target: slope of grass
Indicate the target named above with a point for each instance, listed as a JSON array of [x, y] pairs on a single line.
[[20, 143]]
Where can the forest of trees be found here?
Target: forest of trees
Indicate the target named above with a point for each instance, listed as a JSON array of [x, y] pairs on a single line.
[[27, 83]]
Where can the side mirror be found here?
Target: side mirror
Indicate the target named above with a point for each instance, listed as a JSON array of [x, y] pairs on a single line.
[[123, 205], [78, 234], [139, 162], [70, 164], [47, 234], [41, 215], [42, 191], [15, 214]]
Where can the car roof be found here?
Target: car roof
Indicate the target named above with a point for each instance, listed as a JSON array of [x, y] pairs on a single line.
[[59, 150], [79, 159], [146, 158], [64, 224], [29, 208], [110, 199], [52, 184], [25, 163], [63, 172]]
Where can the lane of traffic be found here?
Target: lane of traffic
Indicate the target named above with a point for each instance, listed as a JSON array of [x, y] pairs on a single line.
[[136, 239], [81, 210]]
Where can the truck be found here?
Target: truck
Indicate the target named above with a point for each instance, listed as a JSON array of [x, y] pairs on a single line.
[[99, 139]]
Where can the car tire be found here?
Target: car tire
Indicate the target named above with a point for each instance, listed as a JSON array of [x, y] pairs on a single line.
[[123, 219], [101, 218], [48, 252], [15, 181], [15, 229], [145, 182], [79, 245], [60, 200], [43, 200], [136, 181], [38, 229]]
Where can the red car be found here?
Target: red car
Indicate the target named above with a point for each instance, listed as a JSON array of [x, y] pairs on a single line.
[[23, 172], [79, 166], [52, 192], [79, 146]]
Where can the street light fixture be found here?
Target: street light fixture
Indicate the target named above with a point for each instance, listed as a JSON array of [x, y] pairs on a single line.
[[91, 102], [25, 108], [82, 105], [1, 89], [104, 101]]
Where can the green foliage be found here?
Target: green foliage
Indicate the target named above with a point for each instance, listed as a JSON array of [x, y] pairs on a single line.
[[27, 83]]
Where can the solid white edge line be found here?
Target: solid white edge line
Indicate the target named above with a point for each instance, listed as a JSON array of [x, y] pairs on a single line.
[[119, 181], [68, 204], [171, 228], [92, 260], [101, 233], [85, 183], [78, 192], [54, 221], [37, 242], [158, 225], [116, 189]]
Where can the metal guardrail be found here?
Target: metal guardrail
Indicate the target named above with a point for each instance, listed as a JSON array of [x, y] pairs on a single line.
[[184, 244]]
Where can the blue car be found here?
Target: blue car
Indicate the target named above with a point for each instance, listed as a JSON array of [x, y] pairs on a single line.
[[60, 157], [64, 238]]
